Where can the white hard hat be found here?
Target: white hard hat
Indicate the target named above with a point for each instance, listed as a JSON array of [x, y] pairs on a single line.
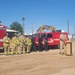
[[62, 31]]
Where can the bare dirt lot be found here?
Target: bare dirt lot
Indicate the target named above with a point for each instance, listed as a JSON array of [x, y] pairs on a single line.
[[38, 63]]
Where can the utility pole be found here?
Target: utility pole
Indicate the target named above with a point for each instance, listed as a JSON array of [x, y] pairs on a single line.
[[68, 26], [23, 19], [32, 29]]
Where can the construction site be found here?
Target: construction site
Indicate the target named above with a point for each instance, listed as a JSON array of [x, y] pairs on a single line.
[[37, 37], [40, 63]]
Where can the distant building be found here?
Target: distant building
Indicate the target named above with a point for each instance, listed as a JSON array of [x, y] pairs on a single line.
[[11, 32]]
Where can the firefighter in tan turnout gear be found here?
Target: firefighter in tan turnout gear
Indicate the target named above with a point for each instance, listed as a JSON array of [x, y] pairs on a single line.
[[21, 43], [29, 43], [6, 44], [15, 44], [62, 43]]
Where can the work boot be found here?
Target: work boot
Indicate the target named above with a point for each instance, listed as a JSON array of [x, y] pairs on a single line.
[[8, 53], [12, 53], [16, 52], [5, 53], [23, 52], [61, 53]]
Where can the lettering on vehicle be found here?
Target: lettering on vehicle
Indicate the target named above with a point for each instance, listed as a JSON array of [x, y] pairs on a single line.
[[36, 42], [51, 40], [56, 39]]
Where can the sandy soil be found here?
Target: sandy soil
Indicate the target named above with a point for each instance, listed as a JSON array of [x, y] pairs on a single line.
[[38, 63]]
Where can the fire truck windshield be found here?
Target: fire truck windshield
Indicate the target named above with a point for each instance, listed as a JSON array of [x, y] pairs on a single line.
[[49, 35], [43, 35]]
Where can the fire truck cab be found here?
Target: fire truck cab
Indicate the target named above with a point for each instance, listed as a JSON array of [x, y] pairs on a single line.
[[53, 38], [2, 34]]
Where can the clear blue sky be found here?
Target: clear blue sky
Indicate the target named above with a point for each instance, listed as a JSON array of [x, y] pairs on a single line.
[[39, 12]]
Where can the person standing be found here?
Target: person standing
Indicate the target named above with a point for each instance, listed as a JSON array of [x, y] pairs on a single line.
[[6, 44], [22, 43], [28, 43], [33, 43], [15, 44], [46, 43], [40, 43], [62, 43]]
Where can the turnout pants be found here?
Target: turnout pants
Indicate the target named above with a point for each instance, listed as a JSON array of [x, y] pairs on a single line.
[[6, 50], [14, 49], [62, 47], [21, 48]]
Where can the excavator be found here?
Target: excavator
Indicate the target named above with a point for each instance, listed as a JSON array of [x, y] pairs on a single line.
[[46, 27]]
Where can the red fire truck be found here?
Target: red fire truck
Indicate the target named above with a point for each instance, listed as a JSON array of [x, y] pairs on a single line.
[[53, 37], [2, 33]]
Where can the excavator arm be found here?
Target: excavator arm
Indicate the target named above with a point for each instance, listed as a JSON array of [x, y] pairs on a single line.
[[46, 27]]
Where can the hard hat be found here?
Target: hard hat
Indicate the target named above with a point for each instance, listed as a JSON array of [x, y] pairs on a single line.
[[15, 34], [62, 31]]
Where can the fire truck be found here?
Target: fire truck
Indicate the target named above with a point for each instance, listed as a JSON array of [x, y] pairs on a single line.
[[2, 33], [53, 37]]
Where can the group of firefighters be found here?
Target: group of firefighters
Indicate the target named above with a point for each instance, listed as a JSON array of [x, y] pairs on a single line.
[[23, 44], [16, 45]]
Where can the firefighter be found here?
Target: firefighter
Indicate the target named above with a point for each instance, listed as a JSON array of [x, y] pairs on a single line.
[[40, 43], [29, 43], [22, 43], [15, 44], [33, 43], [6, 44], [62, 43], [46, 43]]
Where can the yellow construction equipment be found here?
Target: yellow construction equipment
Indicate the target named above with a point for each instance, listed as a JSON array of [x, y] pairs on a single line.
[[46, 27]]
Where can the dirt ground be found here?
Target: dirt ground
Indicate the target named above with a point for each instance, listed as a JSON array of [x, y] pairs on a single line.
[[38, 63]]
